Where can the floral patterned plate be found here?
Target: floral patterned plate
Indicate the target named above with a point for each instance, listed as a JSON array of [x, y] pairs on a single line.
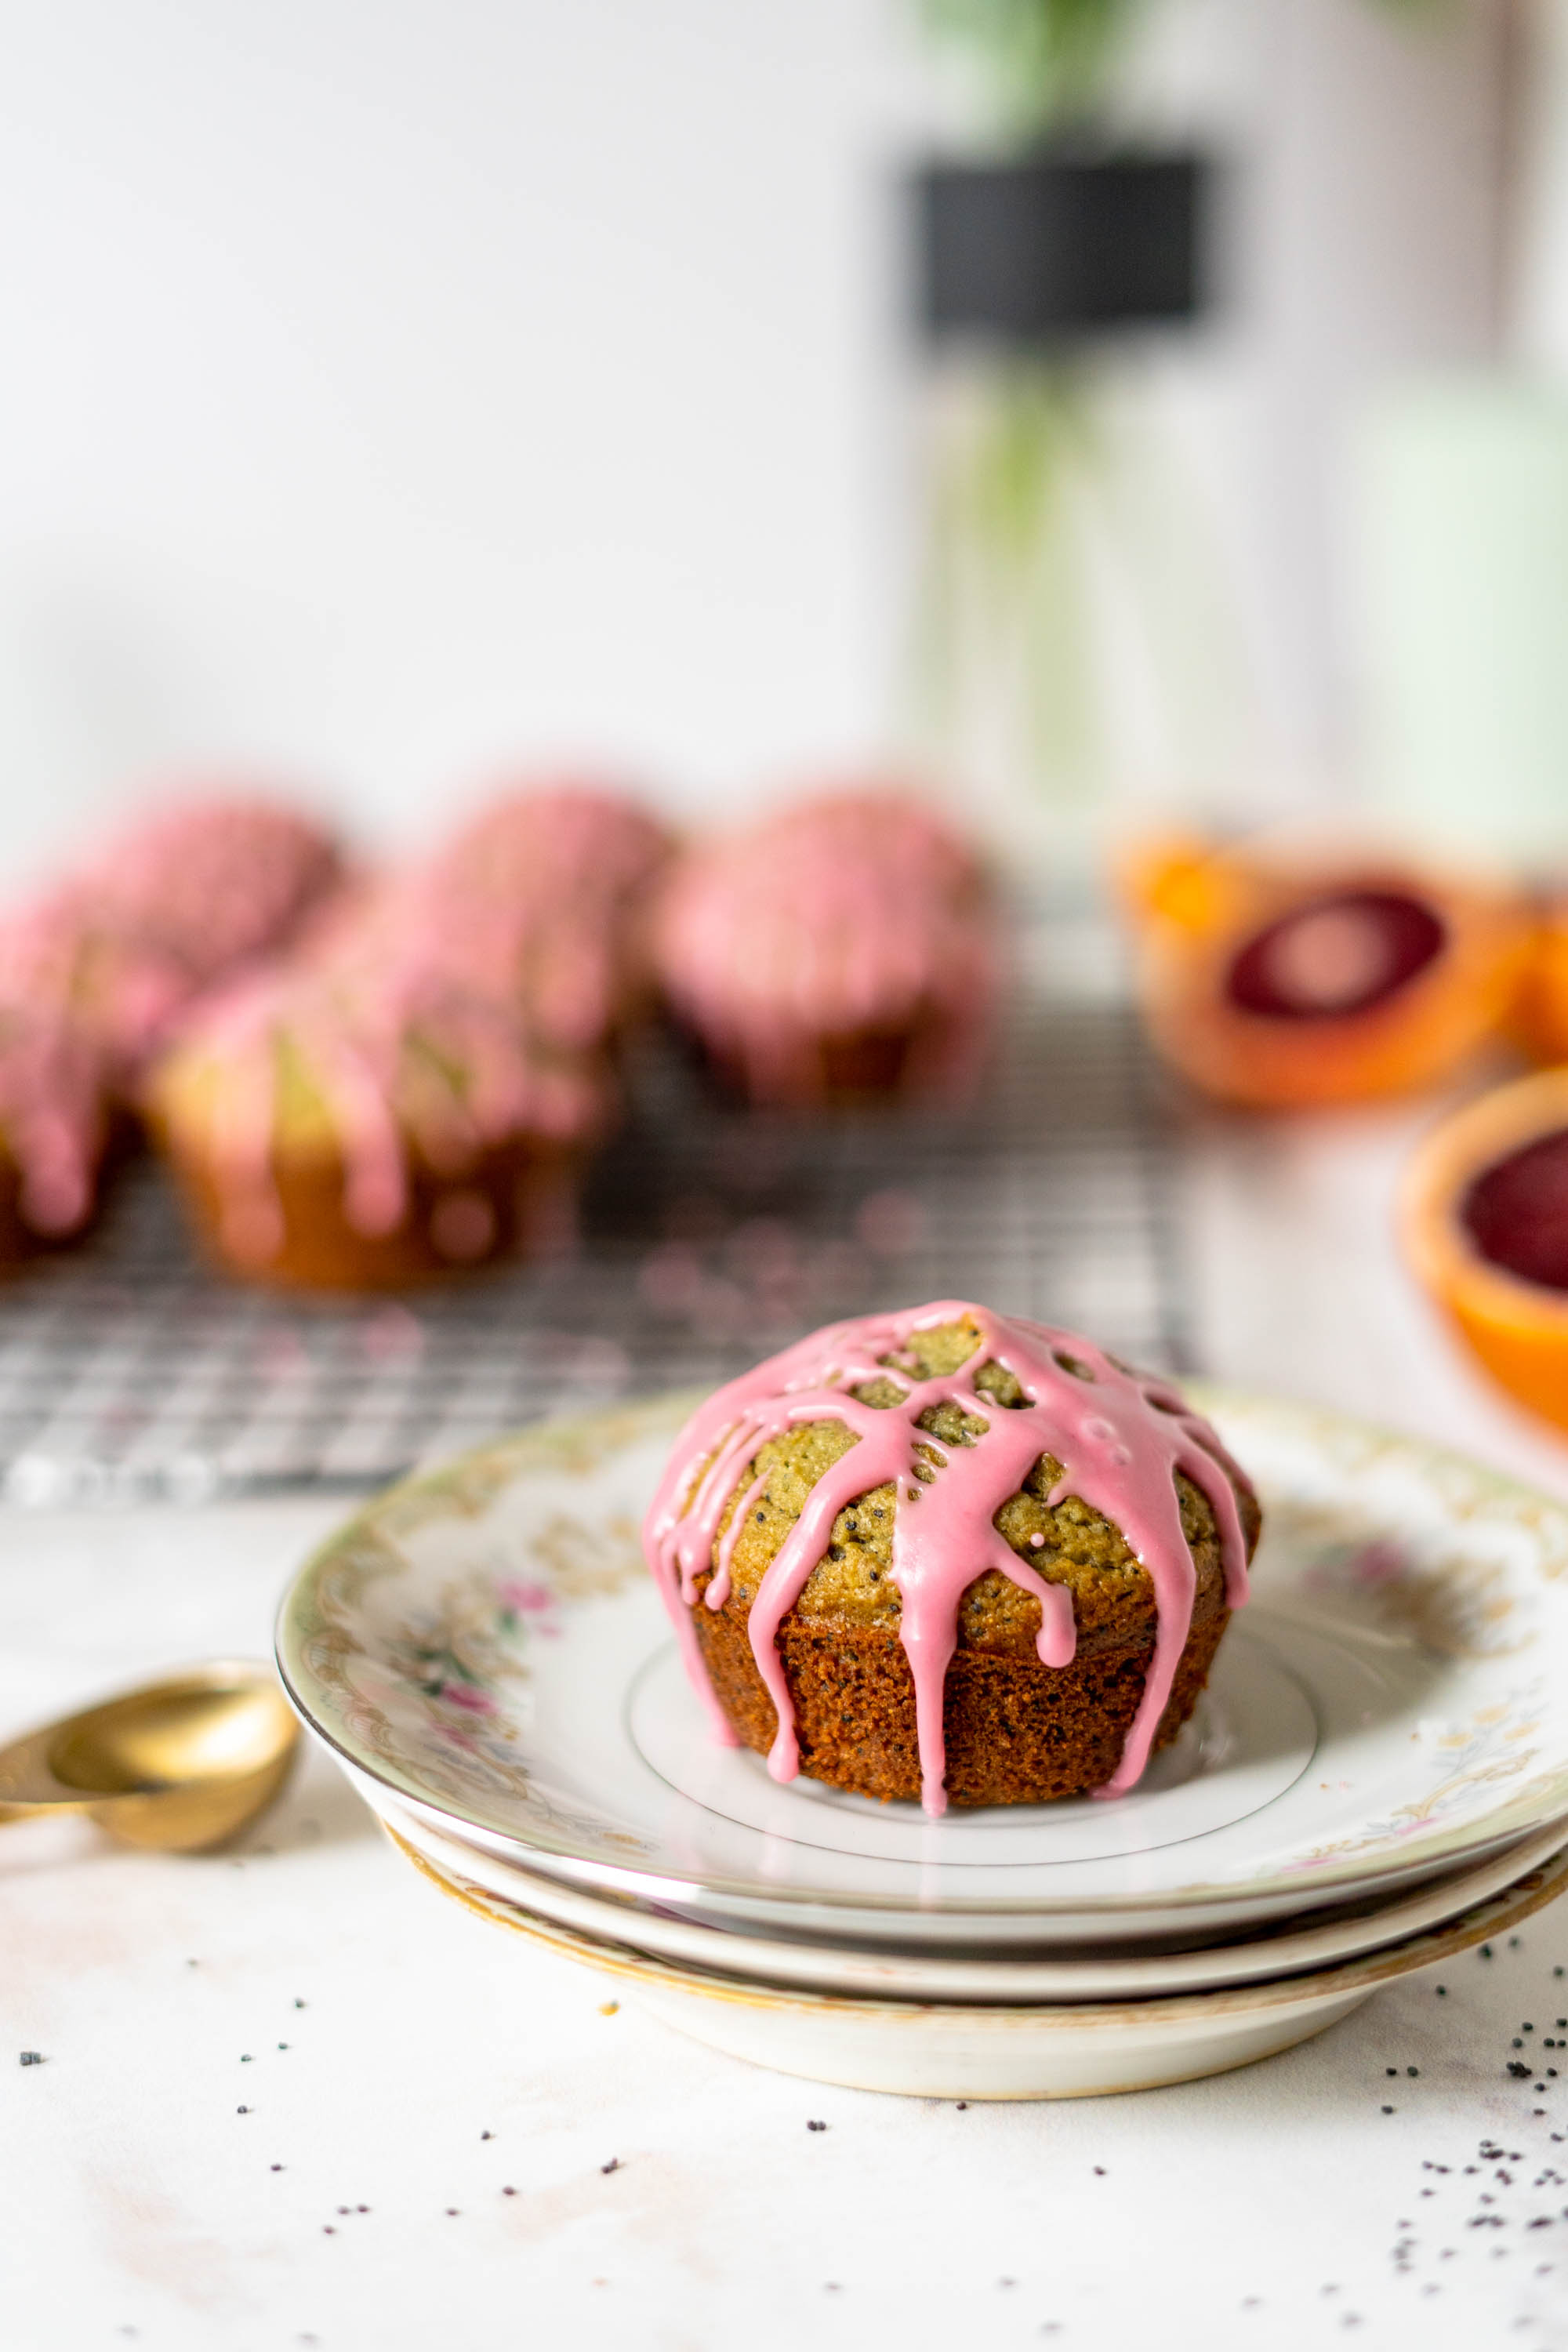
[[485, 1644]]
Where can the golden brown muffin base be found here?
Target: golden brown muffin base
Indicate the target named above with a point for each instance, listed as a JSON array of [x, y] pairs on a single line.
[[18, 1241], [861, 1067], [528, 1190], [21, 1244], [1016, 1732]]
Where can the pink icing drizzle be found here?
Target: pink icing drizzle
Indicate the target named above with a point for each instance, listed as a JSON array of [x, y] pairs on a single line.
[[397, 1047], [51, 1073], [1120, 1437], [541, 897], [182, 897], [856, 912]]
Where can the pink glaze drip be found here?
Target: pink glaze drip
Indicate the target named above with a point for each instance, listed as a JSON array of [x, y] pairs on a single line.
[[395, 1048], [51, 1073], [1120, 1437], [857, 912]]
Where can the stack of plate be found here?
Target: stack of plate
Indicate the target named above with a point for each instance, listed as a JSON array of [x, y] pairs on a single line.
[[1377, 1778]]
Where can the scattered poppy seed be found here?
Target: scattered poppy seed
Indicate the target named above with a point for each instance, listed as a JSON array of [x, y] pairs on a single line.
[[451, 2213], [1101, 2170], [299, 2004], [1413, 2070], [242, 2110], [327, 2230], [30, 2058], [487, 2135], [812, 2125], [362, 2208], [962, 2105], [1388, 2111], [282, 2045], [613, 2165], [246, 2059], [277, 2168], [509, 2192]]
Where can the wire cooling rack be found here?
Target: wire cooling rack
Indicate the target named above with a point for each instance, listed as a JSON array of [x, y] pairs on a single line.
[[128, 1371]]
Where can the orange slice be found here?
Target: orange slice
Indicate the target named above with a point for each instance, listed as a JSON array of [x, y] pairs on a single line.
[[1281, 984], [1539, 1019], [1484, 1219]]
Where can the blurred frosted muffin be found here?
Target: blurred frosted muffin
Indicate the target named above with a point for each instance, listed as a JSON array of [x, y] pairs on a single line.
[[360, 1120], [842, 950], [179, 901], [542, 900], [52, 1117]]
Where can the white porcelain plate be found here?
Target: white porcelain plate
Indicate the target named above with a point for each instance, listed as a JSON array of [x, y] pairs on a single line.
[[937, 2049], [486, 1645], [881, 1971]]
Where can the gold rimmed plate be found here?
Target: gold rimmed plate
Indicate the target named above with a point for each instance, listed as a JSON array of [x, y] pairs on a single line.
[[930, 2049], [485, 1645]]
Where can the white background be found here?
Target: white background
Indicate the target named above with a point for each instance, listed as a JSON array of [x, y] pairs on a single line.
[[394, 392]]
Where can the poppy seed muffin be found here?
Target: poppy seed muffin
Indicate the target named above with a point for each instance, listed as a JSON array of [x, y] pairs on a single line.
[[843, 949], [358, 1119], [182, 902], [949, 1555]]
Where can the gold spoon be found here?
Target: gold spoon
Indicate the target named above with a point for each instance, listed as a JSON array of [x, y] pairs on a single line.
[[176, 1766]]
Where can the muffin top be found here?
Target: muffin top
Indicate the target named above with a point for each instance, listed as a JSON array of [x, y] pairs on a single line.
[[366, 1049], [960, 1477], [856, 912], [542, 897], [181, 899]]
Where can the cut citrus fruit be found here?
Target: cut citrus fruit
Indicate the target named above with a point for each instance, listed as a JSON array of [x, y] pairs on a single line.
[[1285, 982], [1539, 1019], [1484, 1218]]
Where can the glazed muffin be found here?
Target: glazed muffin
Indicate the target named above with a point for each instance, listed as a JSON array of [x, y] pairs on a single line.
[[54, 1118], [951, 1556], [358, 1120], [843, 949], [178, 902], [542, 899]]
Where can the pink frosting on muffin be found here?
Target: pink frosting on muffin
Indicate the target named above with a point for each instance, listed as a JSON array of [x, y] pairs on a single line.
[[52, 1114], [182, 899], [542, 897], [398, 1053], [859, 913]]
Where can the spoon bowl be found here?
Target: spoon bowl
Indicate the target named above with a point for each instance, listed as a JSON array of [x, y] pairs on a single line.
[[174, 1766]]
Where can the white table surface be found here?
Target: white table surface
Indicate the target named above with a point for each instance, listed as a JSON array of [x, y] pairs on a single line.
[[284, 2091]]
